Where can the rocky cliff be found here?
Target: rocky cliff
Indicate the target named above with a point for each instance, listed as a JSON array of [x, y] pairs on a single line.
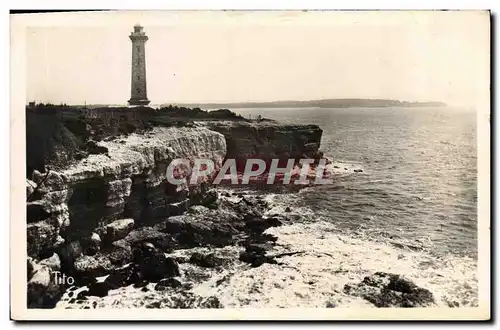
[[82, 215], [129, 180], [268, 139]]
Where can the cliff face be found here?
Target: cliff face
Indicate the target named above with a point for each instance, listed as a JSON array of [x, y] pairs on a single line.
[[127, 181], [267, 140], [91, 217]]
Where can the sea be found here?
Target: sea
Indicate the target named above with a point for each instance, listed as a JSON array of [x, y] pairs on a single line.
[[413, 209], [419, 179]]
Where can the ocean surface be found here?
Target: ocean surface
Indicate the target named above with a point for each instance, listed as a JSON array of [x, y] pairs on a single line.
[[419, 179]]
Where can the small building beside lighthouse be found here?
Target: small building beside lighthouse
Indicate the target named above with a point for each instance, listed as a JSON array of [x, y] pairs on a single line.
[[138, 93]]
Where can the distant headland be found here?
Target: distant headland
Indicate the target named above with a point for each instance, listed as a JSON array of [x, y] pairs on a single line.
[[326, 103]]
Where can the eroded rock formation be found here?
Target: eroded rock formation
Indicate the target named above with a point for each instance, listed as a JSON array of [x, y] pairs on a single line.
[[96, 214], [268, 140]]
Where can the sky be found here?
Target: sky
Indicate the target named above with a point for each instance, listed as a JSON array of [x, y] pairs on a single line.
[[260, 56]]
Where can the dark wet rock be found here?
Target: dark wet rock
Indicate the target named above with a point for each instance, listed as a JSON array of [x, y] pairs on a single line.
[[153, 264], [98, 289], [69, 251], [191, 230], [259, 225], [91, 245], [262, 238], [259, 248], [358, 170], [336, 166], [118, 229], [93, 148], [104, 262], [141, 284], [256, 259], [167, 283], [121, 277], [210, 198], [206, 260], [178, 208], [119, 253], [149, 235], [390, 290]]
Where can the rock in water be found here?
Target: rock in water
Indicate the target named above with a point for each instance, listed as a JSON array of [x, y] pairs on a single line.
[[98, 289], [206, 260], [167, 283], [390, 290], [153, 264]]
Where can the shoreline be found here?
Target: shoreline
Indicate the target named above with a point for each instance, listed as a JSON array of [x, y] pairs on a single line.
[[316, 264]]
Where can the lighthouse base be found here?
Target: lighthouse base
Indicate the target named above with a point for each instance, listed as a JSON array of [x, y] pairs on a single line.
[[138, 102]]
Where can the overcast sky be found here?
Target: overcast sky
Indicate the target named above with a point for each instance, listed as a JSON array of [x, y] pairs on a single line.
[[228, 57]]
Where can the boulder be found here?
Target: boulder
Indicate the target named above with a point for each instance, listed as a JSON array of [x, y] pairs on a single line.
[[256, 258], [92, 244], [167, 283], [98, 289], [153, 264], [209, 197], [118, 229], [178, 208], [149, 235], [390, 290], [193, 230], [119, 253], [259, 224], [206, 260], [88, 267], [123, 276]]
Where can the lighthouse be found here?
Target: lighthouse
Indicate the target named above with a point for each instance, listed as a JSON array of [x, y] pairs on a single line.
[[138, 93]]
